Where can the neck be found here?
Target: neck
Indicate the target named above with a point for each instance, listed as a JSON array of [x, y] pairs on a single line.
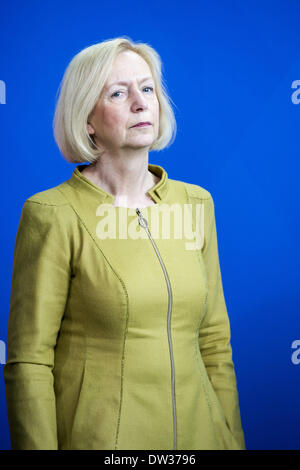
[[128, 179]]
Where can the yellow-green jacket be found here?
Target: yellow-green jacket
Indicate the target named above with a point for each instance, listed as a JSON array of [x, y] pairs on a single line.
[[120, 342]]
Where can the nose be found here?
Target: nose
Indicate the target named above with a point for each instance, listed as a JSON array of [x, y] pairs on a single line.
[[139, 101]]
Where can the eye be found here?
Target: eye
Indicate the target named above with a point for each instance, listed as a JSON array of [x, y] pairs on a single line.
[[116, 92]]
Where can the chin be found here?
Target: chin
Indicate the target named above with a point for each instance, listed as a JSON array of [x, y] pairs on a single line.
[[142, 142]]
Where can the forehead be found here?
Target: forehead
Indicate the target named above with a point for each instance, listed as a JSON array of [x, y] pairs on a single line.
[[128, 66]]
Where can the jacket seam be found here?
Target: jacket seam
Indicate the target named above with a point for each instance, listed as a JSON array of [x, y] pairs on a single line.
[[48, 204], [196, 340], [190, 195], [127, 318], [198, 197]]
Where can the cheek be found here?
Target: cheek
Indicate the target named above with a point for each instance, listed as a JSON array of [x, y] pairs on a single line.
[[113, 119]]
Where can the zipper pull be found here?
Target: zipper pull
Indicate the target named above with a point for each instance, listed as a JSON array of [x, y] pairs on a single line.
[[142, 221]]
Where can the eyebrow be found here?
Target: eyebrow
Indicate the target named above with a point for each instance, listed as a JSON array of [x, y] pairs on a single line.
[[126, 83]]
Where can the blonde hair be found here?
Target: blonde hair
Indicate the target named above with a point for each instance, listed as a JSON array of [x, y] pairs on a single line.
[[81, 88]]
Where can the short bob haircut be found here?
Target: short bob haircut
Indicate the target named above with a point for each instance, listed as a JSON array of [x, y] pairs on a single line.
[[81, 88]]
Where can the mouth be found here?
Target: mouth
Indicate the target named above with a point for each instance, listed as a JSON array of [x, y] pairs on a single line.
[[143, 124]]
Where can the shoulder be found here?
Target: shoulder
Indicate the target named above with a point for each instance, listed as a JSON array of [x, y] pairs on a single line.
[[192, 190], [49, 197], [198, 195], [46, 209], [46, 220]]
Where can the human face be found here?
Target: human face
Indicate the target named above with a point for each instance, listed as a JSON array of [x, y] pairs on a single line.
[[121, 106]]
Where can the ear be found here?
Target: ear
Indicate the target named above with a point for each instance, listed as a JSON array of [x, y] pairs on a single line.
[[90, 129]]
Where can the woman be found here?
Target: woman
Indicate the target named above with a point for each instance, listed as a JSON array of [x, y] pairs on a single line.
[[118, 340]]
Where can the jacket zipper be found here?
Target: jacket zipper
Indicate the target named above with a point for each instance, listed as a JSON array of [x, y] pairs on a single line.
[[144, 223]]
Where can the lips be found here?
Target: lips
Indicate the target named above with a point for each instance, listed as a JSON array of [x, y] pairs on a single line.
[[141, 124]]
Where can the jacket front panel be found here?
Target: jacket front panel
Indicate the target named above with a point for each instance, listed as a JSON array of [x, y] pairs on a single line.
[[112, 363]]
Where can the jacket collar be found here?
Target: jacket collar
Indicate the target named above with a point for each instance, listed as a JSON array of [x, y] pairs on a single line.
[[80, 182]]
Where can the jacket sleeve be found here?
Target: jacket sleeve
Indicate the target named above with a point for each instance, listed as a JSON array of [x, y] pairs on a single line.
[[39, 290], [214, 333]]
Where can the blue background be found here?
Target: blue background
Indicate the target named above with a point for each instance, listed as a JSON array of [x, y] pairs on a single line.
[[229, 68]]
